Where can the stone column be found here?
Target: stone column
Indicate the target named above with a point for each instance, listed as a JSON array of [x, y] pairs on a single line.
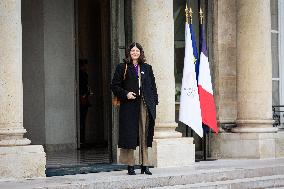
[[153, 27], [224, 60], [18, 158], [254, 136], [254, 67]]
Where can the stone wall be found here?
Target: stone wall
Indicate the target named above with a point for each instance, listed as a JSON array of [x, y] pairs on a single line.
[[33, 70], [49, 72]]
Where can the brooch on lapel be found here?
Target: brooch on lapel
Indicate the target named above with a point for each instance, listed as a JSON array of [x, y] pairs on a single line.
[[142, 72]]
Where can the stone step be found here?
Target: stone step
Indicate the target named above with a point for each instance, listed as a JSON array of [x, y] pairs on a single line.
[[265, 182], [221, 171]]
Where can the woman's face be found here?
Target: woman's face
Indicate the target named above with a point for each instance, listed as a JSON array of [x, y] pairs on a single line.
[[134, 53]]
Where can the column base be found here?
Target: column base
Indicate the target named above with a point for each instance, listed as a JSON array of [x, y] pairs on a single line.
[[172, 152], [254, 126], [281, 128], [166, 130], [244, 145], [22, 161]]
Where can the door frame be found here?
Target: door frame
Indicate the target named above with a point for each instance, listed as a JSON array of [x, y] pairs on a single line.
[[105, 69]]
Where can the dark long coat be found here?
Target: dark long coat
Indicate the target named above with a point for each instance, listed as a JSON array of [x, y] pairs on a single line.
[[130, 109]]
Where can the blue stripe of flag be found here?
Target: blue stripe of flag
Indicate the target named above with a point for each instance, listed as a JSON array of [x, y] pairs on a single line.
[[203, 41], [195, 51]]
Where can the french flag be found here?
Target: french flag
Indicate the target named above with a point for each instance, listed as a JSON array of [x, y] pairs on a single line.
[[207, 105], [190, 113]]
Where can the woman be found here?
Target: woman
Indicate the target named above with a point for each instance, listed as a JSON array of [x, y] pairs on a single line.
[[134, 84]]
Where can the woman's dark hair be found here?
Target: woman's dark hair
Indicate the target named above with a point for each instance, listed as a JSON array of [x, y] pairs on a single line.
[[141, 58]]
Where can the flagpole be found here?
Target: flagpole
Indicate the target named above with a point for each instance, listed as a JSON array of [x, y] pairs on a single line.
[[190, 112], [200, 46], [186, 13], [186, 21], [205, 135]]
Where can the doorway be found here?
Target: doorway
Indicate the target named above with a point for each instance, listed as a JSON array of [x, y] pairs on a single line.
[[56, 35], [92, 22]]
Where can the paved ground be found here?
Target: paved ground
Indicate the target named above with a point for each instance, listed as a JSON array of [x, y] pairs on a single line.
[[200, 172]]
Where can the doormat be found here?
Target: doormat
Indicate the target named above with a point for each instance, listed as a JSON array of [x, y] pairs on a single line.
[[84, 169]]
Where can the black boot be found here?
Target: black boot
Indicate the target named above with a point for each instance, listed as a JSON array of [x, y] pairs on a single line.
[[145, 169], [131, 170]]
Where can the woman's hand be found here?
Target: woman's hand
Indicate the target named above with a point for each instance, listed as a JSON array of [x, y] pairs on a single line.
[[131, 95]]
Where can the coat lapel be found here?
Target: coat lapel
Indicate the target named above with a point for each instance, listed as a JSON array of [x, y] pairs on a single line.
[[142, 71]]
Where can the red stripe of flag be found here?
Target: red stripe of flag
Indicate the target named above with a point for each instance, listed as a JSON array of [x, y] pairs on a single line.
[[208, 111]]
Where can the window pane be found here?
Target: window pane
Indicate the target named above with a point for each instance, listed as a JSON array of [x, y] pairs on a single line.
[[179, 24], [274, 14], [275, 55], [179, 19], [275, 93], [179, 57]]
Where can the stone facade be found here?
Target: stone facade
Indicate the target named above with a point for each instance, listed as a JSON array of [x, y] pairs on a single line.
[[242, 71]]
